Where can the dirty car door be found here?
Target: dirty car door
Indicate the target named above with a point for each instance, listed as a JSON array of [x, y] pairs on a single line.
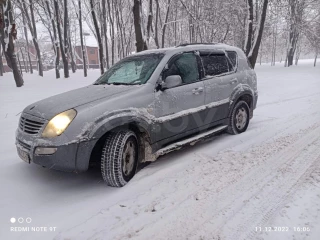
[[219, 82], [177, 109]]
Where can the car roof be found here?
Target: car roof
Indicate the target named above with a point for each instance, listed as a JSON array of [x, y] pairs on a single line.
[[190, 47]]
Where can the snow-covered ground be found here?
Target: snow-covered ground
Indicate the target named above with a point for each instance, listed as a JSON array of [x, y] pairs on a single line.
[[229, 187]]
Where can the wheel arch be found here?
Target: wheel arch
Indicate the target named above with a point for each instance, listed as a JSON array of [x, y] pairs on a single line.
[[139, 127], [244, 93]]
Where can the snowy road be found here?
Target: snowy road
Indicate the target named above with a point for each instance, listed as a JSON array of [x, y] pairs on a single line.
[[229, 187]]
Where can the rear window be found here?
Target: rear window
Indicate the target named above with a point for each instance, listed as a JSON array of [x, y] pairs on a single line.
[[233, 58], [215, 64]]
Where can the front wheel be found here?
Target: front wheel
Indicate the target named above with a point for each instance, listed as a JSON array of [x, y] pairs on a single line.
[[239, 119], [119, 158]]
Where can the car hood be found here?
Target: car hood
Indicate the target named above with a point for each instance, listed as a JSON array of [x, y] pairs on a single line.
[[49, 107]]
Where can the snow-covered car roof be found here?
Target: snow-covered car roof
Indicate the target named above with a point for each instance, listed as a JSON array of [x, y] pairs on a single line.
[[190, 47]]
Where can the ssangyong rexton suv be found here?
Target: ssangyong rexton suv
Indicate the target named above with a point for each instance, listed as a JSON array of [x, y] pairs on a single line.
[[146, 105]]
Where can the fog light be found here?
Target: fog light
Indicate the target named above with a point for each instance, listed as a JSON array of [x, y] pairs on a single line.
[[45, 151]]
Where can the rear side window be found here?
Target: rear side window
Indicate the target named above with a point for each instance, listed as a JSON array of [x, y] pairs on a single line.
[[215, 64], [233, 58]]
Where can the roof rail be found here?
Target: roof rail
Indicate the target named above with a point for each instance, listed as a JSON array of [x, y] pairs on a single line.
[[187, 44]]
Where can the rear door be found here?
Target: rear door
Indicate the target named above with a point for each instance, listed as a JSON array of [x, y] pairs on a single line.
[[219, 83], [177, 108]]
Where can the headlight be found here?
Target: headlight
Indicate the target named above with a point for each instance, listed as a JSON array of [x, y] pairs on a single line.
[[59, 123]]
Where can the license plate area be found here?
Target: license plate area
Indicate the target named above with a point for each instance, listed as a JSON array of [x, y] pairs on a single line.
[[23, 154]]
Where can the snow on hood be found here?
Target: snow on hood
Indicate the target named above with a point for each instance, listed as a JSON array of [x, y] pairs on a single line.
[[49, 107]]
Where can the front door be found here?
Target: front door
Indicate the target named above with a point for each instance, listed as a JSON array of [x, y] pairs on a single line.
[[177, 109]]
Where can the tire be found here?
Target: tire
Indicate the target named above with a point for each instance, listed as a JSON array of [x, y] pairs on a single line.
[[239, 119], [119, 158]]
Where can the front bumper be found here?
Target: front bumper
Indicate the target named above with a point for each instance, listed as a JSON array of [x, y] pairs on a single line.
[[69, 156]]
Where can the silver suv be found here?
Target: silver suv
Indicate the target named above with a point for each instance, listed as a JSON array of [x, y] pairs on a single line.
[[146, 105]]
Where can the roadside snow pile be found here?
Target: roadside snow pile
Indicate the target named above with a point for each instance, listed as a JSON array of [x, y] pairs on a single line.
[[229, 187]]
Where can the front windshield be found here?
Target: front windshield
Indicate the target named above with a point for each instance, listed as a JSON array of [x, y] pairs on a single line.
[[131, 70]]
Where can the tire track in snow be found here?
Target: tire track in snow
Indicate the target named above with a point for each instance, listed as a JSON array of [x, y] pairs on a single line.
[[288, 99], [271, 196], [227, 201]]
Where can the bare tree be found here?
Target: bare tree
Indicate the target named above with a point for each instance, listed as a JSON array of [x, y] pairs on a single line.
[[8, 34], [141, 43], [96, 26], [30, 19], [63, 53], [1, 63], [55, 39], [164, 27], [253, 54], [105, 31], [249, 35], [156, 39], [84, 61], [27, 42], [149, 23], [296, 9]]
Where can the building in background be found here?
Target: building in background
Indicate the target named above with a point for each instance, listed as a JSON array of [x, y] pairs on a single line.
[[92, 56], [48, 57]]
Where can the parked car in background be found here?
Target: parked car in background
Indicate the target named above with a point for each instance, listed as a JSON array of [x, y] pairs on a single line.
[[146, 105]]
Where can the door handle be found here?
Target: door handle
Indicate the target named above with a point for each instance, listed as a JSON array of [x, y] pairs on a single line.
[[197, 90], [234, 81]]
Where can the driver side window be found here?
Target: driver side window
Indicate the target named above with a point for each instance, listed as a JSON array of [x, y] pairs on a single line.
[[186, 66]]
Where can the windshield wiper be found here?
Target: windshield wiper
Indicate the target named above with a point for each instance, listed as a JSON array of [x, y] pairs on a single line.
[[117, 83], [121, 83]]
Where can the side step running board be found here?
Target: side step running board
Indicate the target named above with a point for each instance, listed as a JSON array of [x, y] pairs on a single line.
[[191, 141]]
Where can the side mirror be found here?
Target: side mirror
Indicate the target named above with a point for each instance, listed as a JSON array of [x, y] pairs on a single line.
[[171, 82]]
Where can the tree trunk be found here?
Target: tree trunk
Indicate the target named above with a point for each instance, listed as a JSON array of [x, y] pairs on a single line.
[[73, 64], [84, 61], [8, 43], [293, 39], [32, 27], [296, 12], [298, 52], [18, 56], [33, 30], [165, 24], [112, 30], [256, 45], [156, 39], [140, 39], [27, 41], [95, 23], [105, 31], [248, 42], [24, 60], [1, 63], [56, 44], [64, 59], [315, 58], [65, 34], [149, 22]]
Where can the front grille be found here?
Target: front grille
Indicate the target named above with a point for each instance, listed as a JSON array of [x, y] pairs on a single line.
[[30, 126]]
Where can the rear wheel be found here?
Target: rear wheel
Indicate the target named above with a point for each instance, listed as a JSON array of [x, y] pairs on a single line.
[[119, 158], [239, 119]]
